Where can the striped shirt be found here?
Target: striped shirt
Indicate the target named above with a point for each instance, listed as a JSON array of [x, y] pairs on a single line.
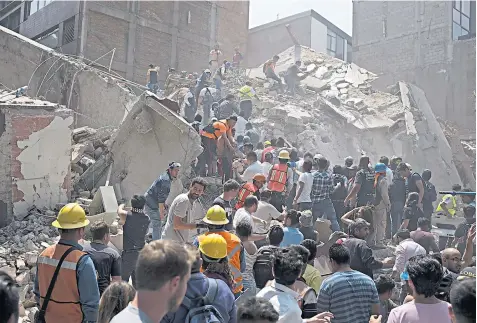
[[322, 186], [349, 296]]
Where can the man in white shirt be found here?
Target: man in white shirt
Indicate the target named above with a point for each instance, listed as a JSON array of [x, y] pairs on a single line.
[[305, 182], [287, 268], [406, 249], [240, 125], [246, 214], [267, 212], [254, 167]]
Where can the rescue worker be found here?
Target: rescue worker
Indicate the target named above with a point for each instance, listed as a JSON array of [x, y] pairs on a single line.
[[152, 79], [246, 94], [268, 148], [363, 187], [75, 296], [156, 197], [269, 70], [216, 219], [247, 189], [217, 131], [448, 204], [292, 79], [382, 204], [280, 180]]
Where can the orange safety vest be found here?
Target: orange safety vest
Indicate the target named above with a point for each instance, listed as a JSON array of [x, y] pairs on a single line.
[[278, 178], [247, 189], [64, 304], [234, 248]]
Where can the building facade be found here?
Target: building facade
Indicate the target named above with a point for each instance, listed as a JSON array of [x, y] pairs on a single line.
[[309, 28], [177, 34], [428, 43]]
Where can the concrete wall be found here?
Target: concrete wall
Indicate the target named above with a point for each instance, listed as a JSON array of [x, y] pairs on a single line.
[[150, 138], [98, 100], [36, 141], [266, 41], [412, 41], [318, 36]]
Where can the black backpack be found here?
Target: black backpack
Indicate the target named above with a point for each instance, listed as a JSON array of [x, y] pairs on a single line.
[[263, 267], [430, 193]]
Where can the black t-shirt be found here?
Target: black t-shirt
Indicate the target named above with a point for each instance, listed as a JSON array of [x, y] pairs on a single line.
[[411, 183], [365, 178], [135, 230], [460, 235], [309, 233], [229, 209], [412, 214], [107, 263]]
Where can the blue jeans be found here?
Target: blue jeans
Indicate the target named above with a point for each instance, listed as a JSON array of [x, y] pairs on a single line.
[[324, 209], [156, 222]]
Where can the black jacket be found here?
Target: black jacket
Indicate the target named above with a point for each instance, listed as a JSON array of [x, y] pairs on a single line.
[[361, 256]]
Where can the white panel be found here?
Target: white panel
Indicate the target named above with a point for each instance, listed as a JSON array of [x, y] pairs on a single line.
[[318, 36]]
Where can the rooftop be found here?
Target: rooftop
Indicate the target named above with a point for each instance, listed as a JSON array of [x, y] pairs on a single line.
[[313, 14]]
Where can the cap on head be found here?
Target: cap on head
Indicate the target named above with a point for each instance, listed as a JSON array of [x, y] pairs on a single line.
[[71, 216], [173, 165], [267, 143], [306, 219], [213, 246], [216, 215], [284, 154], [207, 71], [380, 168], [259, 178]]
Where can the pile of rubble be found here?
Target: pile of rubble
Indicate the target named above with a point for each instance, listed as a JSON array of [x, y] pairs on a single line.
[[89, 145], [340, 114]]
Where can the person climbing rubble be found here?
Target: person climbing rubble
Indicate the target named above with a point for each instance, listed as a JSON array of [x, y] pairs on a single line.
[[246, 94], [189, 106], [215, 57], [237, 58], [292, 79], [206, 100], [269, 71], [152, 78], [201, 83]]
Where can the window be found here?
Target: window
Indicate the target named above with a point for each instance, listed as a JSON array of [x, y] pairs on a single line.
[[50, 38], [68, 31], [12, 21], [331, 43], [463, 16], [38, 4], [339, 48]]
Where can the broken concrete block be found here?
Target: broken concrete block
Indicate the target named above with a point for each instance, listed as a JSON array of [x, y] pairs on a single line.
[[315, 84], [310, 68], [23, 278], [342, 85], [77, 153], [31, 258], [20, 263], [343, 91], [354, 76], [10, 270]]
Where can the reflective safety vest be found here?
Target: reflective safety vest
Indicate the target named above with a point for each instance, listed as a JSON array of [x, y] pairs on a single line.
[[234, 248], [278, 178], [247, 189], [64, 304], [451, 209], [246, 92]]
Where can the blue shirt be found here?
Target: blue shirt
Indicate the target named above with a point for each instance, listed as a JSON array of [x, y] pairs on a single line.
[[87, 285], [349, 296], [197, 287], [291, 236], [158, 191]]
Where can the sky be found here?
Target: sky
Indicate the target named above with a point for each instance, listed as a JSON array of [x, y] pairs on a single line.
[[339, 12]]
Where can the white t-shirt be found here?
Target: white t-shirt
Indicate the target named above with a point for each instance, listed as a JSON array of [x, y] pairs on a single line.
[[307, 179], [243, 214], [240, 126], [267, 212], [181, 207], [266, 168], [251, 171]]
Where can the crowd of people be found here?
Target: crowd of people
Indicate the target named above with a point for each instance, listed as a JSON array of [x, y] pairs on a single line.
[[255, 256]]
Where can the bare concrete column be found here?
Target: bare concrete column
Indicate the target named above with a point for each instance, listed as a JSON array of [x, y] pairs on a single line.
[[213, 25], [175, 31], [133, 7]]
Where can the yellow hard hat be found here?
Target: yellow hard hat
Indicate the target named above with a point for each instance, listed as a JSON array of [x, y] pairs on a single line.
[[213, 246], [267, 143], [71, 216], [216, 215], [284, 154]]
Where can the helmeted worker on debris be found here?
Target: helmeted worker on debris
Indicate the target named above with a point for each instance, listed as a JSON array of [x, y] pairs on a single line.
[[247, 189], [75, 296], [269, 70], [216, 219], [246, 94], [280, 180]]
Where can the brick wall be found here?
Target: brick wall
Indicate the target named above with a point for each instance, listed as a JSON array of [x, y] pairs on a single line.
[[232, 26]]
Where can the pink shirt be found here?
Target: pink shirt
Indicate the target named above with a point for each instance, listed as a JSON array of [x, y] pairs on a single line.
[[420, 313]]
